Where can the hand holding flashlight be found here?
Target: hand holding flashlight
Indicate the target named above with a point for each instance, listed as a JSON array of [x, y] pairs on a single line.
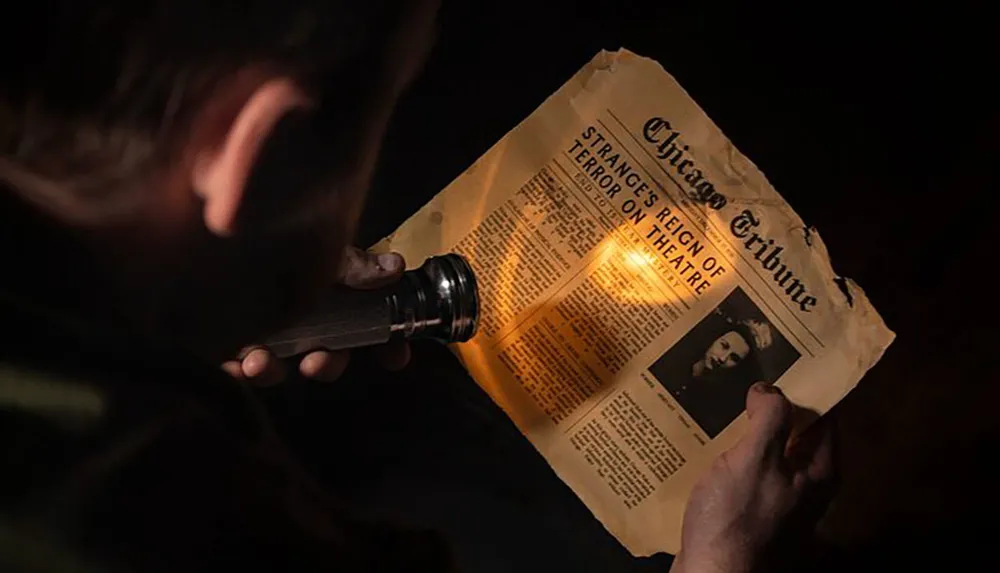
[[362, 271], [439, 300]]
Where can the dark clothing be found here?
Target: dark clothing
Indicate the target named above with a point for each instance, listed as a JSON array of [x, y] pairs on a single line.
[[123, 457], [710, 400]]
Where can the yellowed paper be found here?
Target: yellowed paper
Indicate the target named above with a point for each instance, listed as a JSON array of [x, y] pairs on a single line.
[[637, 275]]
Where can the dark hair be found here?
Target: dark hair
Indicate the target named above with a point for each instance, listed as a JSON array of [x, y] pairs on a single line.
[[96, 95], [750, 366]]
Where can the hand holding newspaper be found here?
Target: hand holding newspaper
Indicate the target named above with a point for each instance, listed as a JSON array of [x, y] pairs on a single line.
[[637, 275]]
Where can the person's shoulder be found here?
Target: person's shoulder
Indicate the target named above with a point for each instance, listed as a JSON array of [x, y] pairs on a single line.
[[140, 456]]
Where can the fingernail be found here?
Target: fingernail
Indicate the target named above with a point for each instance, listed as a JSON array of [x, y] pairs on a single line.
[[765, 388], [255, 363], [233, 368], [311, 365], [390, 262]]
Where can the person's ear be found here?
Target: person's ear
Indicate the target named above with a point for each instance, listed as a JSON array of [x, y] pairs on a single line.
[[222, 168]]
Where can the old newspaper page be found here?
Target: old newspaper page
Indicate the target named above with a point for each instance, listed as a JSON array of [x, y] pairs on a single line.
[[637, 275]]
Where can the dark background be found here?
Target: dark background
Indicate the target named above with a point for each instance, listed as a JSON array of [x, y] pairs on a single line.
[[714, 401], [878, 129]]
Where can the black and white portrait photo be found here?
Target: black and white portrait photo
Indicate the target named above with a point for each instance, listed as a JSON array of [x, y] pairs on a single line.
[[711, 368]]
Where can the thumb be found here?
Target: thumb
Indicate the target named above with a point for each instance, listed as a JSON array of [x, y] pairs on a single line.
[[363, 270], [770, 416]]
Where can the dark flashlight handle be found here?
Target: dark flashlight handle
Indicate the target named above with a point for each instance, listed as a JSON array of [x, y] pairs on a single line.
[[349, 319]]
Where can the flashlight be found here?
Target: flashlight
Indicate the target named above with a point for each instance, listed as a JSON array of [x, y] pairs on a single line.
[[439, 301]]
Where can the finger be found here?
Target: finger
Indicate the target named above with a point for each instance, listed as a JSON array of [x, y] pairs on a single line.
[[393, 355], [770, 416], [324, 366], [815, 452], [234, 368], [261, 368], [364, 270]]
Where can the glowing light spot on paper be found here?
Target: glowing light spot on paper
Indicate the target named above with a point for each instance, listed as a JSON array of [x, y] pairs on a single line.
[[638, 259]]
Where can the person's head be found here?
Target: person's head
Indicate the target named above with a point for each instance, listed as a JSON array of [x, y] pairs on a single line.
[[212, 156], [733, 347]]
